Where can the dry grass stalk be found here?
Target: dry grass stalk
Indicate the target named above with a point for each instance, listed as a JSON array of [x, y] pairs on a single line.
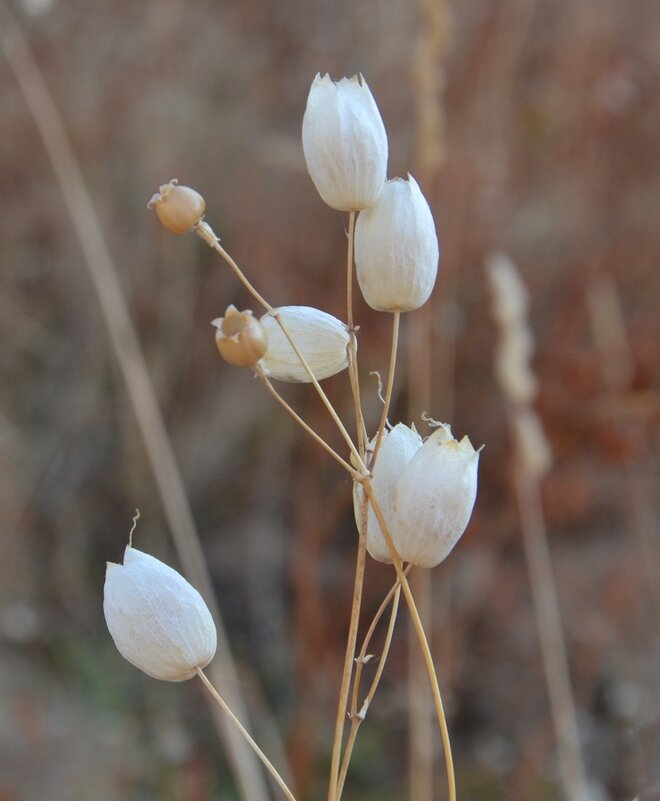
[[428, 82], [125, 344], [531, 462]]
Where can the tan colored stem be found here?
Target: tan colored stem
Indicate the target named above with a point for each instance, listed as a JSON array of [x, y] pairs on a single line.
[[388, 389], [551, 636], [205, 232], [128, 352], [352, 343], [421, 636], [358, 716], [267, 763], [269, 386], [348, 663]]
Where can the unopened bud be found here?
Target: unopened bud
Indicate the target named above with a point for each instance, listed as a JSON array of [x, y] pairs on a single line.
[[179, 208], [241, 339], [158, 621]]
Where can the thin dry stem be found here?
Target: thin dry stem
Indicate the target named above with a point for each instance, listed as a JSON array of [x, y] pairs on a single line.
[[126, 346], [352, 343], [361, 660], [358, 716], [551, 637], [518, 383], [421, 636], [245, 734], [389, 387], [348, 662], [205, 231], [269, 386]]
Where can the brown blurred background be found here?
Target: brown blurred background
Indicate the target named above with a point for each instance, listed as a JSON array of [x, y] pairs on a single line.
[[551, 154]]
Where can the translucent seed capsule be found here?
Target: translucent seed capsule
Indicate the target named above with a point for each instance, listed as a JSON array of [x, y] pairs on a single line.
[[321, 338], [396, 248], [158, 621], [344, 142], [426, 490]]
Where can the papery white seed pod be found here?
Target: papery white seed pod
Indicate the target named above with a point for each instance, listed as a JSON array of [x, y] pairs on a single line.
[[396, 248], [433, 499], [158, 621], [321, 338], [344, 142], [397, 448]]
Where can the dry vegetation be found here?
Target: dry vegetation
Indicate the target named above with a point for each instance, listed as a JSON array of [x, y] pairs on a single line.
[[552, 118]]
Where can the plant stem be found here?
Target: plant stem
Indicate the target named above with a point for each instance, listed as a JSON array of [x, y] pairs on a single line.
[[124, 341], [352, 343], [421, 636], [388, 389], [551, 636], [269, 386], [333, 783], [361, 660], [267, 763], [358, 717], [205, 232], [348, 660]]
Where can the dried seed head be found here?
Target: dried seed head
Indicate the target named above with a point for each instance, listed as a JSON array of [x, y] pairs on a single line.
[[426, 491], [179, 208], [241, 339], [159, 622], [396, 248], [344, 142], [321, 338]]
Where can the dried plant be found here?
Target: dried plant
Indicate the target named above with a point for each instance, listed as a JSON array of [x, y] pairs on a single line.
[[412, 498]]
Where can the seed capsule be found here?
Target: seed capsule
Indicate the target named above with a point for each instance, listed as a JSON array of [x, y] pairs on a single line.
[[396, 248], [179, 208], [344, 142], [321, 338], [398, 447], [241, 339], [158, 621], [426, 491]]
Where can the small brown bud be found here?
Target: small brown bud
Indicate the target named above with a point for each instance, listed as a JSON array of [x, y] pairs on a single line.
[[241, 339], [179, 208]]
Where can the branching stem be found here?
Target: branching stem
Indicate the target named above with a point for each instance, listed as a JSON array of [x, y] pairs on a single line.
[[348, 664], [269, 386], [205, 232], [421, 636], [357, 716]]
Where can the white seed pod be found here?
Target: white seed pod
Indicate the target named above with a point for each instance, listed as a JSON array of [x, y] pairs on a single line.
[[396, 248], [426, 491], [321, 338], [158, 621], [433, 499], [398, 447], [344, 142]]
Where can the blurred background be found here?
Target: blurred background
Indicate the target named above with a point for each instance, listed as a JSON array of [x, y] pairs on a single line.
[[532, 127]]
